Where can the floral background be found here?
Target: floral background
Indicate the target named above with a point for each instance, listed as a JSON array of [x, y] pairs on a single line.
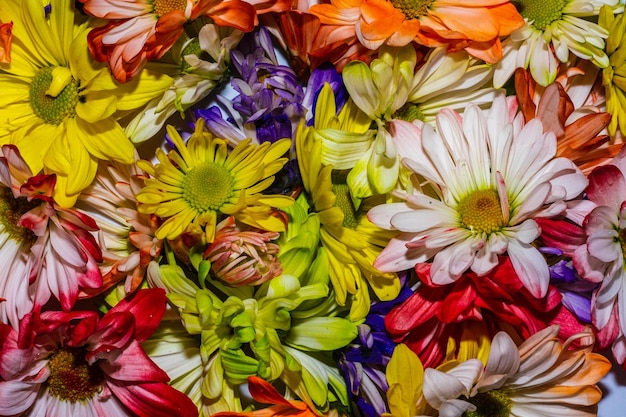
[[312, 208]]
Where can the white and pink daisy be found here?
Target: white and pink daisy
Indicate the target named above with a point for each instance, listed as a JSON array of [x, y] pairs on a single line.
[[80, 364], [488, 176], [48, 250]]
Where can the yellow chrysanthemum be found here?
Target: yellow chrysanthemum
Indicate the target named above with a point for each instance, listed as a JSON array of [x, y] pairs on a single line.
[[57, 105], [614, 76], [194, 184], [351, 242]]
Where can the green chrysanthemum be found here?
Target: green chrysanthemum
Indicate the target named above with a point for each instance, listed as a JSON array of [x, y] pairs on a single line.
[[195, 183]]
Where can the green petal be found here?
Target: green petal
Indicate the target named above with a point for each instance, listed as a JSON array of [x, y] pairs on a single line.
[[321, 333]]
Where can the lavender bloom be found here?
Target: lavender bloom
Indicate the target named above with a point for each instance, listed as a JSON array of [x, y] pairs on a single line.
[[324, 74]]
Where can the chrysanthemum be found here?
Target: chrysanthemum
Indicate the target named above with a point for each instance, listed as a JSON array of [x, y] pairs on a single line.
[[6, 37], [349, 239], [551, 32], [125, 236], [80, 364], [49, 250], [540, 377], [491, 174], [58, 106], [613, 74], [197, 182], [432, 23]]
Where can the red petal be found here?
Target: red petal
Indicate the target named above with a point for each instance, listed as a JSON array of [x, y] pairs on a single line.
[[148, 306], [153, 400]]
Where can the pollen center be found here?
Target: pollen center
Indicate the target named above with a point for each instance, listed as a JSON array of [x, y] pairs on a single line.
[[344, 202], [490, 404], [53, 109], [12, 210], [71, 377], [413, 9], [540, 12], [165, 6], [480, 212], [207, 187]]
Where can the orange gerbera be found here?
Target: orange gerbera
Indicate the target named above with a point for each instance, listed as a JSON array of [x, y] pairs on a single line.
[[145, 30], [431, 23]]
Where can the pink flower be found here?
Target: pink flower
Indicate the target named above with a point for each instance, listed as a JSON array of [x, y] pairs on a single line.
[[79, 364], [58, 254], [243, 257]]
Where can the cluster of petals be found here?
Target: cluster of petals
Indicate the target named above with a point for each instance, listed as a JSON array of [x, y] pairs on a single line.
[[129, 381], [145, 30], [494, 155], [64, 256]]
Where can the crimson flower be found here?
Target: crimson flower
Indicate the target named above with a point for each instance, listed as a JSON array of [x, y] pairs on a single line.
[[79, 364]]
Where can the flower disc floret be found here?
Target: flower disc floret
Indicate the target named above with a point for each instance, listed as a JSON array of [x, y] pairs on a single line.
[[413, 9], [71, 377], [480, 212], [162, 7], [12, 210], [53, 108], [541, 13], [207, 187]]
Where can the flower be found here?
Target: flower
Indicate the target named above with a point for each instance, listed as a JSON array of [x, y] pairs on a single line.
[[194, 183], [550, 34], [49, 247], [612, 78], [126, 237], [431, 23], [243, 257], [349, 239], [77, 363], [541, 376], [59, 107], [6, 36], [491, 175]]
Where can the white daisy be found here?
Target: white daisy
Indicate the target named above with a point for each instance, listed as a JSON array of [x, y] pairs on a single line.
[[490, 176]]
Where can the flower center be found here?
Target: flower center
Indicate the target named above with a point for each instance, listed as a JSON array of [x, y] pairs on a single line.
[[71, 378], [480, 212], [409, 112], [12, 210], [490, 404], [54, 94], [165, 6], [344, 202], [207, 187], [193, 48], [413, 9], [541, 13]]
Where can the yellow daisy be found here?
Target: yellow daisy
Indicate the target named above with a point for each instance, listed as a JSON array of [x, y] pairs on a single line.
[[194, 184], [57, 105], [350, 241], [614, 76]]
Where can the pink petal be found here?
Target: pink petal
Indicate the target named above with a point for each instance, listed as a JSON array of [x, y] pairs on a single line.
[[530, 266], [17, 397], [607, 186], [153, 400], [133, 365]]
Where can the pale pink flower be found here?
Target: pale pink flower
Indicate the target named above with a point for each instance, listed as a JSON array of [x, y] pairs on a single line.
[[80, 364], [53, 252], [490, 176], [243, 257]]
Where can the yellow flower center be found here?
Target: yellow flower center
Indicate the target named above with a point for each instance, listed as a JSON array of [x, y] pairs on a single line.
[[540, 12], [344, 202], [12, 210], [207, 187], [490, 404], [71, 377], [49, 104], [413, 9], [165, 6], [480, 212], [409, 112]]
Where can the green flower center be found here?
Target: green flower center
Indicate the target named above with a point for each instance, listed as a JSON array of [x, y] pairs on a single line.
[[540, 12], [413, 9], [12, 210], [344, 202], [207, 187], [480, 212], [490, 404], [409, 112], [71, 377], [162, 7], [53, 109], [193, 48]]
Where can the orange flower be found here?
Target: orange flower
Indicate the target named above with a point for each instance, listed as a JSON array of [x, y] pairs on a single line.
[[5, 42], [263, 392], [431, 23], [146, 29]]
